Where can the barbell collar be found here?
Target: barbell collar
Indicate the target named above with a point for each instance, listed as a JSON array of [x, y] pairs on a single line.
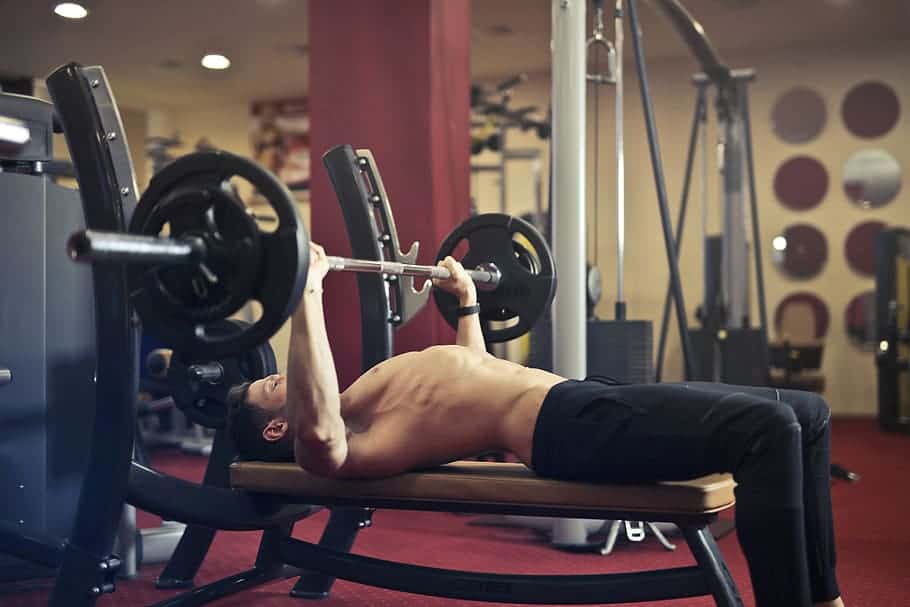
[[486, 276], [92, 246], [211, 372]]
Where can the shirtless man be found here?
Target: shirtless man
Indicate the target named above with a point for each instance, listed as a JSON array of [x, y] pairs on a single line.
[[426, 408]]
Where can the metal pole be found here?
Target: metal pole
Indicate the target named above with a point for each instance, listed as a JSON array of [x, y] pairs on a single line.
[[660, 184], [756, 231], [620, 167], [703, 194], [567, 210], [698, 125], [536, 173], [568, 149], [735, 260], [503, 194]]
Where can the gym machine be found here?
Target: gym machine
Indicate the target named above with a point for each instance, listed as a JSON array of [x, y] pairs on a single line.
[[618, 348], [47, 345], [892, 308], [727, 348], [570, 331]]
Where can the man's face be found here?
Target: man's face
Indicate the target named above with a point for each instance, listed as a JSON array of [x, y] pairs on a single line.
[[269, 393]]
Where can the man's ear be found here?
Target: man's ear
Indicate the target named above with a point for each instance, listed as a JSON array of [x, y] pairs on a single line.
[[275, 429]]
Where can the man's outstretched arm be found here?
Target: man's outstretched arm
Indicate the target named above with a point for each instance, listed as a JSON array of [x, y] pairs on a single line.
[[469, 333], [314, 404]]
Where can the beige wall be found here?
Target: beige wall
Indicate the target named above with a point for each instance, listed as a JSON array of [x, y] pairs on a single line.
[[850, 372], [135, 123]]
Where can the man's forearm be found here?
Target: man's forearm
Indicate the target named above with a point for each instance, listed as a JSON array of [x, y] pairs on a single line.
[[314, 408]]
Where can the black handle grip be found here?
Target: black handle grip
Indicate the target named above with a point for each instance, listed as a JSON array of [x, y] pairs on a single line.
[[114, 247]]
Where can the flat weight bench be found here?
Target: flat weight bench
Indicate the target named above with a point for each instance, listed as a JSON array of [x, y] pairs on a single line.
[[502, 488]]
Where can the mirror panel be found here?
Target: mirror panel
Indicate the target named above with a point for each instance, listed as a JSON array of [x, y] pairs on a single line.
[[800, 251], [872, 178]]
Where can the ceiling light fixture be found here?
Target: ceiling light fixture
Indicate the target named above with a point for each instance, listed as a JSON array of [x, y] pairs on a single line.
[[71, 10], [214, 61]]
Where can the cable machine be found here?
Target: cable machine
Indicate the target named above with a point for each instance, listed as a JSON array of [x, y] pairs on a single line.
[[727, 347]]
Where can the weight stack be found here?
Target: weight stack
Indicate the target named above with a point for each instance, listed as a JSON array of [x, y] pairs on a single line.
[[621, 349], [540, 348]]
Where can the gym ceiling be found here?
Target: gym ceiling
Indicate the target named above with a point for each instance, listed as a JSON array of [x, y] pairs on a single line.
[[151, 50]]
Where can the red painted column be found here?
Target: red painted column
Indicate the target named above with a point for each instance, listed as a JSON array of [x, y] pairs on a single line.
[[392, 76]]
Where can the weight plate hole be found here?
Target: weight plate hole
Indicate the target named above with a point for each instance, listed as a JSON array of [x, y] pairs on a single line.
[[256, 204], [525, 253], [252, 311], [499, 325]]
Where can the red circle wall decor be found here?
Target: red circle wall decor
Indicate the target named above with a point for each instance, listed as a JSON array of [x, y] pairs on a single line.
[[801, 183], [870, 109], [860, 247]]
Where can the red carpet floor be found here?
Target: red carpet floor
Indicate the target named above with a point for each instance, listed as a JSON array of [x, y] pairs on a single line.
[[872, 518]]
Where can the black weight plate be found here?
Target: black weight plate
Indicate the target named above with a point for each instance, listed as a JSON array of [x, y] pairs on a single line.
[[528, 280], [271, 271], [195, 293], [204, 402]]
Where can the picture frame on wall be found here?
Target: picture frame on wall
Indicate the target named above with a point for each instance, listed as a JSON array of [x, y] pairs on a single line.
[[280, 140]]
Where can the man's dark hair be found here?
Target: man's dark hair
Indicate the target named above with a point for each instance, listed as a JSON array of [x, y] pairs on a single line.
[[246, 422]]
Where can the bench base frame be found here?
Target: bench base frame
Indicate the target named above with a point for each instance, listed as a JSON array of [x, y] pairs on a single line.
[[320, 564]]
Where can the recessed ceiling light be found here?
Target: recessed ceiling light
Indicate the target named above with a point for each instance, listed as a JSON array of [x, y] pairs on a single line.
[[71, 10], [214, 61]]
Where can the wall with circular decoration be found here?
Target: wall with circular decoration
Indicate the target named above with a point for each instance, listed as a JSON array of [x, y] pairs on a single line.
[[799, 115], [871, 178], [859, 320], [801, 183], [801, 316], [870, 109], [800, 251], [859, 248], [835, 144]]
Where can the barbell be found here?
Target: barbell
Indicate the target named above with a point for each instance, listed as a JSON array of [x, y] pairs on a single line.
[[96, 246], [195, 256], [485, 276]]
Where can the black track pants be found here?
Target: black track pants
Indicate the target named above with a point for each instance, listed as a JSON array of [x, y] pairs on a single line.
[[776, 443]]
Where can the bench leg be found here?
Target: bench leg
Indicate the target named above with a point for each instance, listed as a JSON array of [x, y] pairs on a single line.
[[711, 562], [339, 534]]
